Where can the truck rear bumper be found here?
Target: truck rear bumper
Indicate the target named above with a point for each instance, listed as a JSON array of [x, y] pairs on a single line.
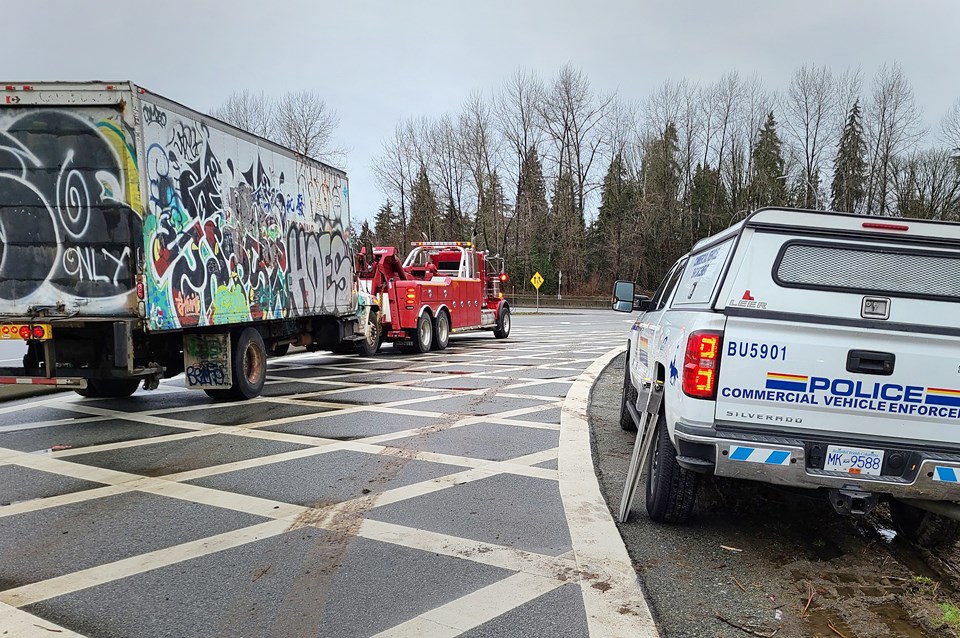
[[66, 382], [783, 461]]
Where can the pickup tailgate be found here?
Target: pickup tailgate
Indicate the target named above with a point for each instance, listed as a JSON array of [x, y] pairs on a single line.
[[850, 332], [838, 380]]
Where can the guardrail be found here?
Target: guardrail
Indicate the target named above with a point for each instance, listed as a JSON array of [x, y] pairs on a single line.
[[551, 301]]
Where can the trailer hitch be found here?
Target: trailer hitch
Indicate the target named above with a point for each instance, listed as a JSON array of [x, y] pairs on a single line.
[[853, 501]]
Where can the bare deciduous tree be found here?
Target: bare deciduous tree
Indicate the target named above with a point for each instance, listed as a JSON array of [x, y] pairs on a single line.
[[252, 112], [893, 125], [809, 107], [306, 124]]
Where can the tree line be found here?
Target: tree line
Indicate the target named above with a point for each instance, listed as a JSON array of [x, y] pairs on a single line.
[[557, 176]]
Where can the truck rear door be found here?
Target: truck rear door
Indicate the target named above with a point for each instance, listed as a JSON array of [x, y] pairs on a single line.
[[70, 209], [849, 339]]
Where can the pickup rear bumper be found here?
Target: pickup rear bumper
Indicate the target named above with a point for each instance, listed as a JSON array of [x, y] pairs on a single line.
[[783, 460]]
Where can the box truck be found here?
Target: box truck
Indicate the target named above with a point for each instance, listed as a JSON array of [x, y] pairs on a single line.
[[140, 239]]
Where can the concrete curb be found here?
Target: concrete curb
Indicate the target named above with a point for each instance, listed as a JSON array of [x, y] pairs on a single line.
[[612, 596]]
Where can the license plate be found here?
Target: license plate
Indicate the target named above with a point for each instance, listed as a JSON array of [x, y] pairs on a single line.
[[853, 460], [26, 331]]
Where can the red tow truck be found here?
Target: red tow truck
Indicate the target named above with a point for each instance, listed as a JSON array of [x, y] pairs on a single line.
[[442, 287]]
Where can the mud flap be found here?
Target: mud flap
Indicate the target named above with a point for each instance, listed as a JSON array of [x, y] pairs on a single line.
[[207, 361], [646, 430]]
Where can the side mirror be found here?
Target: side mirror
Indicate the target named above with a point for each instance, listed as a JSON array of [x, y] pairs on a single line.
[[623, 295]]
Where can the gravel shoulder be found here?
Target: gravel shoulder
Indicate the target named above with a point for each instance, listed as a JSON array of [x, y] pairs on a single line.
[[760, 561]]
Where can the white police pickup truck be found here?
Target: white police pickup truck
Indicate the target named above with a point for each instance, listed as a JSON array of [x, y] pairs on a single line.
[[807, 349]]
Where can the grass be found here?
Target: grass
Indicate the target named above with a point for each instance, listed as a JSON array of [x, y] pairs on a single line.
[[951, 614]]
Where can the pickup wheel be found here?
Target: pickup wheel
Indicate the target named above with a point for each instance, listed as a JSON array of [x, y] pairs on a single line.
[[441, 331], [629, 397], [922, 527], [502, 331], [249, 365], [671, 490], [423, 335]]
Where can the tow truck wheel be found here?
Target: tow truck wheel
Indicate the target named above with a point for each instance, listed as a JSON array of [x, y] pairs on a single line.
[[441, 331], [502, 331], [423, 336], [922, 527], [671, 490], [629, 396], [279, 350]]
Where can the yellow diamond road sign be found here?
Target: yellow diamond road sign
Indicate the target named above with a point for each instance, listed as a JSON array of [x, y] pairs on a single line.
[[537, 280]]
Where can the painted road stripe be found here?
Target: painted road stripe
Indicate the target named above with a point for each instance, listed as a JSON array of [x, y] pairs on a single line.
[[474, 609], [765, 456], [617, 608], [20, 624]]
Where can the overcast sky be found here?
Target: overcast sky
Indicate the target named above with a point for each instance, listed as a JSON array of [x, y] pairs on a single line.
[[377, 62]]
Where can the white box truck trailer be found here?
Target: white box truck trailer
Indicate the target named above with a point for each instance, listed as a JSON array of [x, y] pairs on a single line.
[[140, 239]]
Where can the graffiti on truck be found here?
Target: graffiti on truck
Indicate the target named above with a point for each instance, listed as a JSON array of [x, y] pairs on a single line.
[[69, 209], [238, 232]]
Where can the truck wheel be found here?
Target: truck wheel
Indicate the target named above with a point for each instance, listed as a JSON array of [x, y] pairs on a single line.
[[249, 365], [671, 490], [371, 344], [109, 388], [441, 331], [629, 397], [280, 350], [502, 331], [423, 336], [922, 527]]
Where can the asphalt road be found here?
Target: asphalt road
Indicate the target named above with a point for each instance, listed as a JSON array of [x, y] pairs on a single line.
[[401, 495]]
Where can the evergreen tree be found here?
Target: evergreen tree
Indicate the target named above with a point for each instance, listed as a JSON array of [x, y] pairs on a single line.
[[423, 209], [708, 202], [612, 236], [489, 220], [567, 226], [661, 218], [850, 166], [768, 183], [533, 239], [386, 230]]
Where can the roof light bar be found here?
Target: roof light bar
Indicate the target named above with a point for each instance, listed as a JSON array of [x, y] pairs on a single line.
[[443, 244]]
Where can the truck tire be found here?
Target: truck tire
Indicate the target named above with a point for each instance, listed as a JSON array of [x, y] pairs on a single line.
[[441, 331], [249, 365], [369, 346], [628, 397], [502, 331], [671, 490], [423, 335], [924, 528], [109, 388]]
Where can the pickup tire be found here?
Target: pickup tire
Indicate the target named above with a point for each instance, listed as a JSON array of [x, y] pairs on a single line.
[[922, 527], [423, 335], [629, 397], [671, 490], [441, 331], [502, 331]]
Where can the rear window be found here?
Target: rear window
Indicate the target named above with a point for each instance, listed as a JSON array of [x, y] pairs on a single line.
[[884, 270]]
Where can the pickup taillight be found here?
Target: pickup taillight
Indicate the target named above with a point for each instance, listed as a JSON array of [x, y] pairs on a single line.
[[702, 364]]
